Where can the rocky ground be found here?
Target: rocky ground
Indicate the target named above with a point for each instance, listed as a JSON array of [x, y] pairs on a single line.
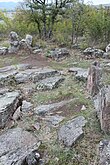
[[46, 114]]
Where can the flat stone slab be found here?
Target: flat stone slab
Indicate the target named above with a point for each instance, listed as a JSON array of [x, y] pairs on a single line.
[[54, 120], [81, 74], [8, 104], [15, 67], [23, 73], [34, 74], [44, 109], [15, 145], [104, 152], [49, 83], [70, 132]]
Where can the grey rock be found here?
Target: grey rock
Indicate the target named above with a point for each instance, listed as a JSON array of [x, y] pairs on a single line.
[[54, 120], [3, 50], [49, 83], [16, 145], [31, 159], [70, 132], [58, 53], [43, 73], [26, 106], [8, 105], [93, 52], [81, 74], [104, 152], [34, 74], [102, 106], [36, 51], [14, 42], [22, 77], [107, 48], [44, 109], [13, 36], [17, 114], [29, 39]]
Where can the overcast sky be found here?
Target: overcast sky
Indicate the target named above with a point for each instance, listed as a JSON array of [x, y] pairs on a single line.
[[95, 2]]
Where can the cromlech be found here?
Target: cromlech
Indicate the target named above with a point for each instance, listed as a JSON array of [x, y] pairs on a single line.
[[54, 82]]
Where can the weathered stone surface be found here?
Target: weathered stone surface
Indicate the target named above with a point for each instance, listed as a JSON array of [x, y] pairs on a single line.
[[17, 114], [107, 48], [104, 152], [8, 104], [36, 51], [44, 109], [80, 73], [92, 52], [71, 131], [26, 106], [102, 106], [43, 73], [29, 39], [54, 120], [94, 82], [58, 53], [15, 145], [14, 42], [3, 50], [49, 83], [34, 74]]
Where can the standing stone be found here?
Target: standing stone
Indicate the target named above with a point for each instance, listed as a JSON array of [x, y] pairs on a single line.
[[14, 42], [94, 79], [29, 39], [102, 106]]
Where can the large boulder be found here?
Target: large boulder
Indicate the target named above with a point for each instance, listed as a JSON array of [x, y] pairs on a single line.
[[16, 146], [70, 132], [9, 102]]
